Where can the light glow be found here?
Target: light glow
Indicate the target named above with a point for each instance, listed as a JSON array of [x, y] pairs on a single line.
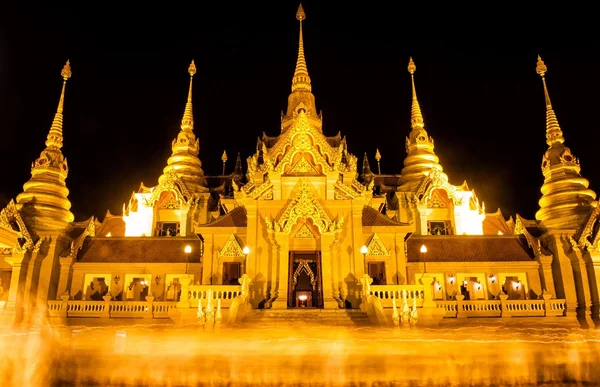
[[364, 250], [246, 250], [188, 249], [423, 249]]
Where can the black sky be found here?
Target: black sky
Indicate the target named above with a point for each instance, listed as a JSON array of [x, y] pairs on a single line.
[[481, 98]]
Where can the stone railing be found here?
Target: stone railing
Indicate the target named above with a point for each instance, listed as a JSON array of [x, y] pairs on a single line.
[[107, 308], [225, 293], [386, 293], [503, 307]]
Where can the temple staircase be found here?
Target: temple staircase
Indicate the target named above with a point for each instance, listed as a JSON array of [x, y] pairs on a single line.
[[269, 318]]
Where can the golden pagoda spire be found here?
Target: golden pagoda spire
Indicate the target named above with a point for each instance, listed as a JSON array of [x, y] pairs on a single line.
[[44, 201], [184, 160], [566, 199], [301, 96], [416, 118], [301, 80], [187, 122], [421, 158]]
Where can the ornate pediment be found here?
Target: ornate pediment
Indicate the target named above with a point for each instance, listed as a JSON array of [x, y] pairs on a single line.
[[11, 218], [262, 192], [304, 232], [170, 182], [436, 180], [303, 167], [377, 248], [588, 237], [436, 200], [304, 206], [76, 245], [533, 242], [168, 201], [232, 248]]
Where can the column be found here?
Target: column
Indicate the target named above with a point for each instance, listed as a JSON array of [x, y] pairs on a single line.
[[281, 255], [49, 271], [562, 272], [400, 254], [65, 273], [14, 303], [546, 273], [207, 263], [329, 302]]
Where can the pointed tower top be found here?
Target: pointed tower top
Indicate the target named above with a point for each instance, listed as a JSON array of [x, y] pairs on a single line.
[[300, 15], [301, 80], [187, 122], [184, 159], [44, 201], [416, 118], [55, 136], [377, 155], [554, 134]]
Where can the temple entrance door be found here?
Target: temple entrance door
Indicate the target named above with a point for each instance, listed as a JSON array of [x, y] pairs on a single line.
[[305, 288]]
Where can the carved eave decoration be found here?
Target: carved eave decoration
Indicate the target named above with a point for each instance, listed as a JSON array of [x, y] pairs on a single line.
[[436, 180], [27, 240], [250, 190], [533, 242], [302, 207], [589, 237], [172, 183], [232, 248], [353, 191], [376, 247], [77, 243]]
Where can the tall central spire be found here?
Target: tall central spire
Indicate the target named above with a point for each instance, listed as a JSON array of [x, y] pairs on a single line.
[[44, 201], [301, 96], [566, 199], [301, 80], [184, 160], [420, 158]]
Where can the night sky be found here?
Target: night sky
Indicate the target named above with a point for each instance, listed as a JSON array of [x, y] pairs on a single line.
[[481, 98]]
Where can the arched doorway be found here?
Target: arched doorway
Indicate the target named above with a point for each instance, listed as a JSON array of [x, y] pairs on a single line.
[[305, 288]]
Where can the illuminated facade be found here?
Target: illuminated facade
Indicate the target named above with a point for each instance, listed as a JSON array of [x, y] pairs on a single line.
[[303, 227]]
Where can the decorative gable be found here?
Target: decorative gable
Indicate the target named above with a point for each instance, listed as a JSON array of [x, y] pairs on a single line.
[[437, 200], [303, 167], [168, 201], [377, 248], [232, 248], [304, 232]]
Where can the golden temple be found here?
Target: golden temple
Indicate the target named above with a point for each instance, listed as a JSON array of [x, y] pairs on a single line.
[[302, 232]]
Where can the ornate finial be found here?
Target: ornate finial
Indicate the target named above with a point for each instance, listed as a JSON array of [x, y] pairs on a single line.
[[301, 80], [66, 71], [377, 155], [411, 66], [224, 157], [300, 15], [541, 67], [192, 69]]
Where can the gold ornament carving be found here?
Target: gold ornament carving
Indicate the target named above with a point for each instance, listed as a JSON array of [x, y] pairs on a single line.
[[171, 182], [11, 218], [303, 266], [303, 167], [377, 248], [304, 232], [436, 180], [533, 242], [305, 206], [232, 248], [587, 233], [436, 200], [76, 245]]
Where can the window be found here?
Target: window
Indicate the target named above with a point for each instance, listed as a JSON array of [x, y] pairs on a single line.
[[439, 227], [167, 229], [231, 273]]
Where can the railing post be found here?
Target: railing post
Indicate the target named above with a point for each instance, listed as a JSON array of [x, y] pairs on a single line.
[[505, 312], [149, 313], [460, 312], [547, 296], [184, 300], [64, 308], [106, 311]]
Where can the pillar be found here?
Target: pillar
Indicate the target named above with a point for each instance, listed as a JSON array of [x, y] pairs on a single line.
[[14, 303], [546, 273], [281, 257], [65, 275], [329, 285]]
